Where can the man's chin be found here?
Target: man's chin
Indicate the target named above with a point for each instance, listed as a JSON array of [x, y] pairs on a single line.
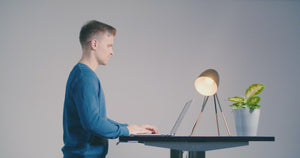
[[104, 63]]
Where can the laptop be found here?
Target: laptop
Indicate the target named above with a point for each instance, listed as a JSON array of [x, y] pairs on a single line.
[[177, 123]]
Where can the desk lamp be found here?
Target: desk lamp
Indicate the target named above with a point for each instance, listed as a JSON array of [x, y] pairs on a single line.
[[207, 85]]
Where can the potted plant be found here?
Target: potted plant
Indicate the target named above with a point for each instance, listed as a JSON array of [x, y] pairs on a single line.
[[246, 110]]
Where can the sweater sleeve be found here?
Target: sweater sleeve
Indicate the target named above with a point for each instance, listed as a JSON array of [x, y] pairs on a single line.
[[114, 122], [89, 111]]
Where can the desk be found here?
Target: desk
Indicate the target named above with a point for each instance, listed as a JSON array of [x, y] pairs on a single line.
[[196, 145]]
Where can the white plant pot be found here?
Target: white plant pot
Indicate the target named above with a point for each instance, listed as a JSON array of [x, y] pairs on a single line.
[[246, 121]]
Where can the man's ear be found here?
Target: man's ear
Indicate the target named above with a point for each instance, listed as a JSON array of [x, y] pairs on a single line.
[[93, 44]]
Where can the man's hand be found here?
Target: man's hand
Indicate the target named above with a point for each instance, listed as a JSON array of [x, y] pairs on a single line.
[[151, 128], [143, 129]]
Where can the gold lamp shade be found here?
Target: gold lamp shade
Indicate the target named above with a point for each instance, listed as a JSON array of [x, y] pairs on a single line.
[[207, 83]]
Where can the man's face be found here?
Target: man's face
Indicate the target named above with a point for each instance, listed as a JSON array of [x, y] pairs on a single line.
[[104, 49]]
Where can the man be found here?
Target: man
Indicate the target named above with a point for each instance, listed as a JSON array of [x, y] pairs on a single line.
[[85, 124]]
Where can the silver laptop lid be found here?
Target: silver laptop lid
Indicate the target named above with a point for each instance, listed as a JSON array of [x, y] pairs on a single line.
[[181, 116]]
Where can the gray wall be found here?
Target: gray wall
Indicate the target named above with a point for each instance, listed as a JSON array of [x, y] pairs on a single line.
[[160, 48]]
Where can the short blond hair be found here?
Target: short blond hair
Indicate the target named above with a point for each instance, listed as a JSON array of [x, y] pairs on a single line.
[[92, 28]]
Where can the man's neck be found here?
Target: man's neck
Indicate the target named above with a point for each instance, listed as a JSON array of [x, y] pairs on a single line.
[[89, 61]]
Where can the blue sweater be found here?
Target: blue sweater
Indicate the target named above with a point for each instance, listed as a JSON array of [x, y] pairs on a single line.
[[86, 127]]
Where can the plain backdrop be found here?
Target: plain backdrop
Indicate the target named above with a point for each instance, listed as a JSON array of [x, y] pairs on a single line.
[[160, 48]]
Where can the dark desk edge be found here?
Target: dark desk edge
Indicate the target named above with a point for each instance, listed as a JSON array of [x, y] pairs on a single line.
[[166, 138]]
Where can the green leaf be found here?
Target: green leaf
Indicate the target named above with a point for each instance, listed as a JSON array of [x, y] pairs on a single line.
[[236, 106], [253, 100], [245, 106], [255, 106], [254, 89], [237, 99]]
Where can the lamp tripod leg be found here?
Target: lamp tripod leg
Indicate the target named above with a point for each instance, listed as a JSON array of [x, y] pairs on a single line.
[[226, 124], [203, 106], [195, 125], [223, 115], [216, 111]]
